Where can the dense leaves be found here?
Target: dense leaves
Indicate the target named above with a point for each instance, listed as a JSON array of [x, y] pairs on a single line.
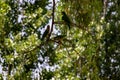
[[33, 47]]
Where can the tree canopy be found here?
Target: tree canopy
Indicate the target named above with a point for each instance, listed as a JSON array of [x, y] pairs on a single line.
[[60, 39]]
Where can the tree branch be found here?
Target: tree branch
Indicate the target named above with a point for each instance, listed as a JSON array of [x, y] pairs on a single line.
[[72, 24], [105, 2], [53, 11]]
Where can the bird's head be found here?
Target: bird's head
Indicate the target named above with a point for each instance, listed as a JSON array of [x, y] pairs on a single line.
[[63, 12]]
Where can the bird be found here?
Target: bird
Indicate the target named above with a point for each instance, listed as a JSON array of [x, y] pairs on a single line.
[[46, 33], [66, 19]]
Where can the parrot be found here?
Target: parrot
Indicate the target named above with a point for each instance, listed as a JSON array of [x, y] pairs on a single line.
[[66, 19], [46, 33]]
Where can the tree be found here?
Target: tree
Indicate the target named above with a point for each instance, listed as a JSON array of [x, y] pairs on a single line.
[[88, 50]]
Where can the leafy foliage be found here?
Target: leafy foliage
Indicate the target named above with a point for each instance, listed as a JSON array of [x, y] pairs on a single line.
[[31, 44]]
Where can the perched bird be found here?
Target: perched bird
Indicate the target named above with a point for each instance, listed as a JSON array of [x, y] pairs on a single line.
[[46, 33], [66, 19]]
